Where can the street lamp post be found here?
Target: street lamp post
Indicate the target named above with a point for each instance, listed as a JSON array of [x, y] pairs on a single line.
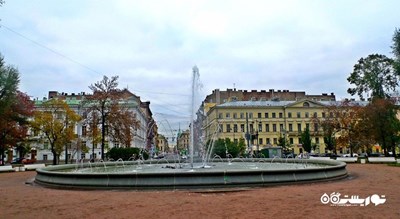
[[247, 133]]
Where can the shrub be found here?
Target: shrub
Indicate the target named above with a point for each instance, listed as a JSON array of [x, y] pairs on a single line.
[[126, 153]]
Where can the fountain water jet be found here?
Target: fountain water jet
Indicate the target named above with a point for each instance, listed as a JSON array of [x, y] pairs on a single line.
[[197, 174]]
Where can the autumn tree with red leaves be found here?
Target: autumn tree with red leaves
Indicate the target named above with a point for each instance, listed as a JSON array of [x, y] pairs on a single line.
[[15, 108]]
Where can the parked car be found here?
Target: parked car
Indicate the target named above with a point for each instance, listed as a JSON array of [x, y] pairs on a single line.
[[376, 154], [17, 160], [28, 161], [23, 160], [331, 155], [349, 155]]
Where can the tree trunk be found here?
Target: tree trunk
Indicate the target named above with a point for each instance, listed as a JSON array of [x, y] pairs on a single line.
[[2, 156], [103, 131], [54, 155]]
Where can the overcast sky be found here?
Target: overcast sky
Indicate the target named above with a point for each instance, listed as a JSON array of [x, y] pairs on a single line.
[[310, 46]]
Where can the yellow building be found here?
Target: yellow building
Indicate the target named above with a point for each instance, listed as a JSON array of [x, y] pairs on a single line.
[[267, 122], [183, 140], [162, 143]]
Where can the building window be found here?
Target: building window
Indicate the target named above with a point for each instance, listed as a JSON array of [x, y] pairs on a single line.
[[274, 127], [306, 114], [323, 114], [228, 127], [299, 127], [315, 115], [316, 140], [260, 141], [281, 115], [235, 115], [290, 127], [259, 115], [251, 128], [259, 127], [219, 115], [316, 127], [235, 140], [242, 127], [290, 140], [220, 129], [84, 131], [298, 115], [273, 115], [266, 115], [275, 141], [281, 127], [83, 156], [308, 126], [235, 128], [266, 127], [46, 145], [44, 156], [228, 115], [289, 115], [250, 115], [268, 141], [306, 104], [242, 115]]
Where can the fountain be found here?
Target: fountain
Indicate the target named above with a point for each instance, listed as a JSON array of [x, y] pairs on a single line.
[[207, 172]]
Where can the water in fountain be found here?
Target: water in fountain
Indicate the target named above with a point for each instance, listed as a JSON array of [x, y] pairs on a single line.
[[212, 171]]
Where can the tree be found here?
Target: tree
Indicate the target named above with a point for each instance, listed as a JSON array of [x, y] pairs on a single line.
[[14, 125], [57, 122], [396, 50], [282, 141], [15, 107], [220, 148], [122, 124], [396, 44], [373, 75], [91, 125], [223, 147], [344, 120], [9, 80], [382, 123], [105, 97], [306, 140]]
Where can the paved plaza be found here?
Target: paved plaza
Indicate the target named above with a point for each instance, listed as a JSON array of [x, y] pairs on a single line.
[[365, 181]]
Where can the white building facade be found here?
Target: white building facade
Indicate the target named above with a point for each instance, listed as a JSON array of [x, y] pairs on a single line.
[[83, 147]]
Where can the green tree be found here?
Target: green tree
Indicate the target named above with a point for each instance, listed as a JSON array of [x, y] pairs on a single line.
[[57, 122], [396, 49], [9, 80], [282, 141], [306, 140], [220, 148], [373, 75], [223, 147], [383, 125], [396, 44]]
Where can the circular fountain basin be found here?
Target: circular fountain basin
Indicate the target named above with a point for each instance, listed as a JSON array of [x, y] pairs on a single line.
[[169, 175]]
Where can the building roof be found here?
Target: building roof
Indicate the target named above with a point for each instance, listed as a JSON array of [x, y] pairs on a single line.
[[272, 103]]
